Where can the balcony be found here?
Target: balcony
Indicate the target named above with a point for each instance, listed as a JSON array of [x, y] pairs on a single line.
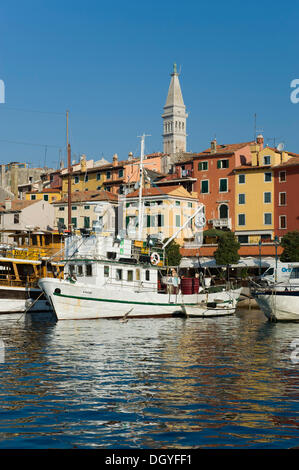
[[221, 223]]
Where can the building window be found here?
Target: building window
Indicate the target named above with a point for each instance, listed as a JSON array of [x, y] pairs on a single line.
[[85, 177], [223, 185], [86, 222], [282, 199], [33, 197], [204, 186], [46, 197], [189, 204], [241, 219], [282, 176], [177, 203], [147, 275], [268, 177], [267, 197], [106, 271], [120, 173], [16, 218], [76, 179], [282, 221], [178, 220], [243, 238], [74, 222], [160, 220], [86, 207], [108, 175], [130, 275], [74, 208], [98, 176], [222, 163], [241, 179], [61, 209], [267, 218], [203, 166], [242, 198], [267, 160]]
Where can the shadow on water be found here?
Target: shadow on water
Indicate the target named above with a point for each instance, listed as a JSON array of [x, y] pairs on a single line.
[[153, 383]]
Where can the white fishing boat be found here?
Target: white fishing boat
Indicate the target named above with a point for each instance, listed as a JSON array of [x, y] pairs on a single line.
[[280, 301], [110, 279]]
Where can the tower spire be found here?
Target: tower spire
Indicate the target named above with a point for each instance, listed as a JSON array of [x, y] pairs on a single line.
[[174, 117]]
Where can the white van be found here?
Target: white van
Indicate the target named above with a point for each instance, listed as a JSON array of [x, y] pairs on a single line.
[[287, 273]]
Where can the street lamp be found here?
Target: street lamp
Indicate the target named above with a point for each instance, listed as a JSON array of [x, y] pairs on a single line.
[[276, 243]]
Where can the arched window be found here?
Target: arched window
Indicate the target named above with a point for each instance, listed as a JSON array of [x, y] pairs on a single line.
[[223, 211]]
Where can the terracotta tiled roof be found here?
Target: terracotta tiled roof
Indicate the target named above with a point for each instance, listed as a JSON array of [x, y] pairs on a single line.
[[17, 205], [84, 196], [292, 161], [223, 149], [45, 190]]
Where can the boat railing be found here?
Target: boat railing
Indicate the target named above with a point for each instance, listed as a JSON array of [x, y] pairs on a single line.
[[11, 280], [30, 252]]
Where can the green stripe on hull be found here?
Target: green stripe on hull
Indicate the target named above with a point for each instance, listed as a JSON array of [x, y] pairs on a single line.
[[119, 301], [131, 302]]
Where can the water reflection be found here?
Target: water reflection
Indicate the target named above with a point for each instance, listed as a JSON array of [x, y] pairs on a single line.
[[222, 382]]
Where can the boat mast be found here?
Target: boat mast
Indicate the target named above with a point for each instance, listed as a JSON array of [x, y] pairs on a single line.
[[69, 167], [140, 205]]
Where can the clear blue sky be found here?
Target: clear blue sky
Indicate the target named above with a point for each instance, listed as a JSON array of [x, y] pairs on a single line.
[[109, 63]]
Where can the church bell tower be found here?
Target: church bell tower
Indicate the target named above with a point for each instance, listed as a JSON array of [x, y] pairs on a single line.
[[174, 117]]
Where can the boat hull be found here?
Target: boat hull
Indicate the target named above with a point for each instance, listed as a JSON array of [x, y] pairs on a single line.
[[279, 306], [218, 304], [80, 301], [19, 299]]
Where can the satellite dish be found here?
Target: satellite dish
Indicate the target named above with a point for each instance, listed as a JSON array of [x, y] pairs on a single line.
[[280, 146]]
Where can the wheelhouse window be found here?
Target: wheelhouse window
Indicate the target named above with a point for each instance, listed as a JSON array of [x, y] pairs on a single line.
[[106, 271], [130, 275], [80, 270], [119, 274], [88, 270], [147, 274]]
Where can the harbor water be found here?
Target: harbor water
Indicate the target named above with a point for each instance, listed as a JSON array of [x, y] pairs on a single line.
[[229, 383]]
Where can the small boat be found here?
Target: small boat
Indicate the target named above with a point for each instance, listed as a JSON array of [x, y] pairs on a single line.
[[110, 279], [216, 303], [280, 301]]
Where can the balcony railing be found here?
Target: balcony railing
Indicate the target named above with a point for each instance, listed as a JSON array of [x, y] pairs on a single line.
[[221, 223]]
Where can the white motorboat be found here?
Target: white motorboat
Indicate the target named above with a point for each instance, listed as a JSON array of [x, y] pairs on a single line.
[[280, 301]]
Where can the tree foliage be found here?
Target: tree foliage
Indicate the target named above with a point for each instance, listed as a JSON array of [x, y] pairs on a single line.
[[172, 253], [290, 244], [227, 251]]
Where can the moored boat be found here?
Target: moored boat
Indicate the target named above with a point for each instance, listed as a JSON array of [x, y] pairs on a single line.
[[106, 281]]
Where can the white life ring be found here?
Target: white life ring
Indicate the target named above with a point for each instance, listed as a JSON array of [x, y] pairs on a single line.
[[155, 258]]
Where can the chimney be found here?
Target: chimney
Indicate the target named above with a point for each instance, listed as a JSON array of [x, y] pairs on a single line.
[[7, 204], [260, 141], [14, 179], [115, 160], [130, 156], [214, 146]]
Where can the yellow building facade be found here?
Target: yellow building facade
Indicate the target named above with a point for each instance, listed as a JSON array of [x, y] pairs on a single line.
[[165, 211], [254, 195], [50, 195]]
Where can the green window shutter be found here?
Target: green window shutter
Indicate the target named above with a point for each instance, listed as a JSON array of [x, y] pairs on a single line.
[[218, 163], [74, 222], [200, 166]]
